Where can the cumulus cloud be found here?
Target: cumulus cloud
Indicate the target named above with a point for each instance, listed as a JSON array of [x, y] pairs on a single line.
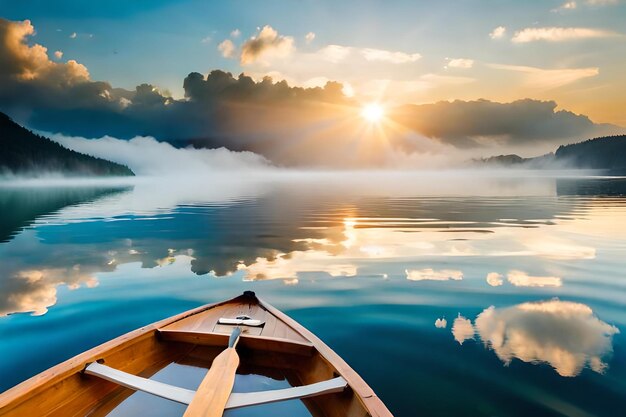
[[235, 33], [266, 44], [58, 54], [498, 32], [494, 279], [559, 34], [21, 62], [522, 279], [73, 35], [227, 48], [309, 37], [429, 274], [566, 335], [441, 323], [463, 63]]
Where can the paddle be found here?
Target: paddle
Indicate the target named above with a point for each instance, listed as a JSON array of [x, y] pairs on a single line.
[[214, 390]]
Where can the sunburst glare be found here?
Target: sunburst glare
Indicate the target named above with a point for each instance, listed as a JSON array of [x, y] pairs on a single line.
[[373, 112]]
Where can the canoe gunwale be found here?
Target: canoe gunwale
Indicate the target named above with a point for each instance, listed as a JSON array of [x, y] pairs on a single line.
[[14, 396]]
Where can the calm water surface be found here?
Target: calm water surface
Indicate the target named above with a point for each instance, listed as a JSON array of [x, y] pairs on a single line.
[[450, 295]]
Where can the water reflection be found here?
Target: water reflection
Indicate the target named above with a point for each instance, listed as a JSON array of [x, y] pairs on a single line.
[[429, 274], [522, 279], [564, 334], [287, 229], [495, 279], [411, 260], [21, 206], [462, 329]]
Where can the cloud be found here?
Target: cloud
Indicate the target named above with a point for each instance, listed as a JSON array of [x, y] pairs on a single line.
[[522, 279], [394, 57], [570, 5], [430, 274], [73, 35], [494, 279], [339, 53], [58, 54], [21, 62], [235, 33], [309, 37], [566, 335], [498, 32], [206, 39], [441, 323], [266, 44], [313, 126], [549, 78], [334, 53], [227, 48], [460, 63], [484, 123], [462, 329], [559, 34], [601, 2]]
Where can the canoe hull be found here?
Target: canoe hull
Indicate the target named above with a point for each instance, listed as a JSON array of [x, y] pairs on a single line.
[[195, 338]]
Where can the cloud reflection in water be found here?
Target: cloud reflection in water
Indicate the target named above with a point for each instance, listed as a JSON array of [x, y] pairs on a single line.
[[567, 335]]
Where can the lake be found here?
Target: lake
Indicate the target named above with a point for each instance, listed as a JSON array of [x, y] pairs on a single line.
[[472, 294]]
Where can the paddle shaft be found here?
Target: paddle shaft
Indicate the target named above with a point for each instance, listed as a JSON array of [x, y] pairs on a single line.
[[214, 390]]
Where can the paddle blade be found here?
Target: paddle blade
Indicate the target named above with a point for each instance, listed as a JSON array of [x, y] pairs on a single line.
[[214, 390]]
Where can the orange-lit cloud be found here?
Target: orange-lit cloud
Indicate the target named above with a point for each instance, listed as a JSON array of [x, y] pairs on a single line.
[[227, 48], [266, 44]]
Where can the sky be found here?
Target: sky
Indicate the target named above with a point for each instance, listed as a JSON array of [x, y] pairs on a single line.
[[571, 54]]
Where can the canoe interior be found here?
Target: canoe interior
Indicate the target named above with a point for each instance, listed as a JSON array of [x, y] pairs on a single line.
[[179, 350]]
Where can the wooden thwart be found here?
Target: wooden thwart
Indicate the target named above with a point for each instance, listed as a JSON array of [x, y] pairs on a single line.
[[236, 400]]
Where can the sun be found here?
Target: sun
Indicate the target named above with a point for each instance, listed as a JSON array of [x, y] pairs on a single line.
[[372, 112]]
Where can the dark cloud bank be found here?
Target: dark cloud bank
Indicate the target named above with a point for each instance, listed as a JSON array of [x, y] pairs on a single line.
[[288, 125]]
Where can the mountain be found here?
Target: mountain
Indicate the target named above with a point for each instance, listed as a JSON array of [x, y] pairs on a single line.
[[539, 162], [607, 153], [24, 153]]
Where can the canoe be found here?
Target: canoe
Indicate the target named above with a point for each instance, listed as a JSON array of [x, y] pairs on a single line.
[[156, 370]]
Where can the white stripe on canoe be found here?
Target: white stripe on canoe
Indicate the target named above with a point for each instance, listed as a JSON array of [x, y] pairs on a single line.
[[236, 399]]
